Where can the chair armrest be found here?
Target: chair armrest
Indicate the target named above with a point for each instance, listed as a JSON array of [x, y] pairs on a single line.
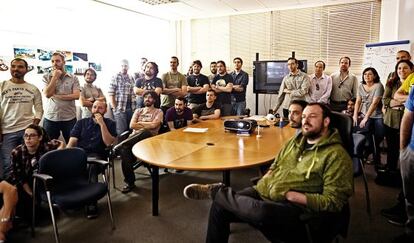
[[43, 177], [96, 161], [46, 179]]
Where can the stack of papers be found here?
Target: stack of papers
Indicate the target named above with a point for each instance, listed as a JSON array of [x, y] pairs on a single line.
[[194, 129]]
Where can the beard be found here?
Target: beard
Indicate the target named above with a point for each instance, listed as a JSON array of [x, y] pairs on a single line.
[[148, 103], [312, 134], [294, 124], [17, 75]]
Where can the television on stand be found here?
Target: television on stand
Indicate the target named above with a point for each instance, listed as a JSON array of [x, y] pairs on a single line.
[[268, 75]]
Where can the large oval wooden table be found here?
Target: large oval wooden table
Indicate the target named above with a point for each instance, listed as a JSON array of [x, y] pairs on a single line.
[[213, 150]]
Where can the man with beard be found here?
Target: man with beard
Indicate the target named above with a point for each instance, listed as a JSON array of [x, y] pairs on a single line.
[[179, 115], [344, 85], [149, 82], [61, 90], [198, 85], [18, 100], [311, 173], [89, 93], [295, 86], [223, 85], [122, 97], [213, 70], [175, 85], [296, 108], [145, 122], [94, 134]]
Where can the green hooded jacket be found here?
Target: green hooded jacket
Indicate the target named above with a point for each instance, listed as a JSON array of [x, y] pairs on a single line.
[[322, 172]]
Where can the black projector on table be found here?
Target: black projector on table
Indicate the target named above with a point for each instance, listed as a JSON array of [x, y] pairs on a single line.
[[241, 126]]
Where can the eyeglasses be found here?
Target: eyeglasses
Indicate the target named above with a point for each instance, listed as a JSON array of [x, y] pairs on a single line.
[[30, 136], [317, 87]]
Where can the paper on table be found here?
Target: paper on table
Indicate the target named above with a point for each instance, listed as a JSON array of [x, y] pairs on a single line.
[[194, 129]]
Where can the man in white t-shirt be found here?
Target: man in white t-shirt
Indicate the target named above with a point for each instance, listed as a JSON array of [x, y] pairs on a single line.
[[20, 106]]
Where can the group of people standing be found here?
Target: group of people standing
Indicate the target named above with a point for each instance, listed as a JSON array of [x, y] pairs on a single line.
[[375, 110]]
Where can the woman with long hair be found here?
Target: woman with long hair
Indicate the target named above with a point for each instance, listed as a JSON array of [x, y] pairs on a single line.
[[369, 103], [394, 110]]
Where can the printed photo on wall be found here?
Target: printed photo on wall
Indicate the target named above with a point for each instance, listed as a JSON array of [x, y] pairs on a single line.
[[43, 70], [4, 65], [80, 56], [69, 69], [44, 55], [25, 53], [96, 66]]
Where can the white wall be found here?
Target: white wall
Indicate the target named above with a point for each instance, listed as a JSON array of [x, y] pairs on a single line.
[[396, 21], [107, 34]]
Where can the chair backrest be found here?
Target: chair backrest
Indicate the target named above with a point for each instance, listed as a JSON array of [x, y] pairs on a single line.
[[64, 164], [343, 123]]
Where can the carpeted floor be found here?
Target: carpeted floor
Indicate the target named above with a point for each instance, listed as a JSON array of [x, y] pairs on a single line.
[[182, 220]]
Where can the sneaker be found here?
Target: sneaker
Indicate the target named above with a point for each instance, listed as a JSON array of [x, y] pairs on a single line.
[[404, 238], [395, 212], [201, 192], [127, 188], [91, 211]]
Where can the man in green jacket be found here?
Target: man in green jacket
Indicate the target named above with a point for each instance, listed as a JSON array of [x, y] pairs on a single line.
[[312, 173]]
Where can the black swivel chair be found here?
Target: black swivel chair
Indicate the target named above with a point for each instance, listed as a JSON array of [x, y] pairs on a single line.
[[65, 183], [353, 143], [317, 224]]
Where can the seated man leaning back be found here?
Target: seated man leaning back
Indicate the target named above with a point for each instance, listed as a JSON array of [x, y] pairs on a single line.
[[145, 123], [311, 173]]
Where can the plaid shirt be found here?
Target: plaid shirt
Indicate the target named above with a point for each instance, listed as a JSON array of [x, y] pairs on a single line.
[[23, 163], [122, 87]]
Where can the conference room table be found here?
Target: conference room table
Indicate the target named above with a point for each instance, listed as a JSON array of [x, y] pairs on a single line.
[[212, 150]]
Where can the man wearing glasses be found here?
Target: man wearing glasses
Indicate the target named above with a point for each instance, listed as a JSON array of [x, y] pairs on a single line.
[[20, 106], [321, 84], [344, 85]]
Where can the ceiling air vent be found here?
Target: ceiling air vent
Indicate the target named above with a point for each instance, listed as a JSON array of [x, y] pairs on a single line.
[[158, 2]]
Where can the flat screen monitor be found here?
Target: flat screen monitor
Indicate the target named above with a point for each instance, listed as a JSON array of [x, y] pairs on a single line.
[[268, 75]]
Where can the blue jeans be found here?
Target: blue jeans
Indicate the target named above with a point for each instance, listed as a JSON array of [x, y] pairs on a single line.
[[122, 119], [53, 128], [238, 108], [10, 141]]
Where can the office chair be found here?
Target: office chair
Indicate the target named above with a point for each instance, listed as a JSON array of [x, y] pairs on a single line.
[[114, 154], [317, 224], [358, 153], [65, 183], [128, 140]]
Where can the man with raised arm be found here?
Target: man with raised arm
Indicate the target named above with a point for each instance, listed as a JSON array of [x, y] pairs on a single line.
[[295, 86]]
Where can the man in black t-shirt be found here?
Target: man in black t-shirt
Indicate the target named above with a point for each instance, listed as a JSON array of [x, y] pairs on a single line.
[[148, 82], [209, 110], [223, 85], [198, 84]]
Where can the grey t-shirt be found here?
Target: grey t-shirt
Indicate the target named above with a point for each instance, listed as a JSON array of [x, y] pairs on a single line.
[[367, 97]]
